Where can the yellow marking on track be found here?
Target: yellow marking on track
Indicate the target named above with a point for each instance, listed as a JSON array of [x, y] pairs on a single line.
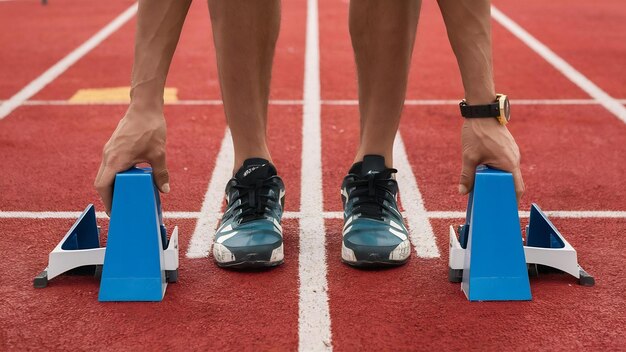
[[115, 95]]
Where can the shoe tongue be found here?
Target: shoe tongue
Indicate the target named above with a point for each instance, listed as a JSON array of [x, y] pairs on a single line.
[[254, 169], [372, 164]]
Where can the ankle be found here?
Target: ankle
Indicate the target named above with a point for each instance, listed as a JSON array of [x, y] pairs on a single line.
[[388, 155], [240, 160]]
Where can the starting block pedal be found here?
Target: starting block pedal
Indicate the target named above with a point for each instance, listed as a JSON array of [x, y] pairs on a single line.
[[546, 247], [488, 255], [138, 261], [79, 249]]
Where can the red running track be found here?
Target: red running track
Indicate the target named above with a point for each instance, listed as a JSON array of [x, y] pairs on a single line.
[[572, 160]]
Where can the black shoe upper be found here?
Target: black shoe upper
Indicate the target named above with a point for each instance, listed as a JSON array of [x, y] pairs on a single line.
[[371, 190], [254, 193]]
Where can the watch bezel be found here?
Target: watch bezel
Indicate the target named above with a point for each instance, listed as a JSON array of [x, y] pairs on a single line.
[[505, 109]]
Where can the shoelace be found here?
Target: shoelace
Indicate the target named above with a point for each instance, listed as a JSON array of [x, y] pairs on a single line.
[[255, 200], [372, 192]]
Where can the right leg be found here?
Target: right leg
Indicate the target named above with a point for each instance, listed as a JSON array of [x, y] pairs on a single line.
[[245, 33]]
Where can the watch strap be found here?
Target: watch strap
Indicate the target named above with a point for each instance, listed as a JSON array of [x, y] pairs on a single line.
[[473, 111]]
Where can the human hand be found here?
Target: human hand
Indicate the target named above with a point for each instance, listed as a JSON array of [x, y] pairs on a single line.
[[139, 137], [486, 141]]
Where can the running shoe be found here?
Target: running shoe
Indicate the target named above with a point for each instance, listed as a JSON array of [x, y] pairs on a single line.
[[250, 234], [374, 233]]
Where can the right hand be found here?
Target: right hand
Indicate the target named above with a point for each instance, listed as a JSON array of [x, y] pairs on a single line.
[[486, 141], [138, 138]]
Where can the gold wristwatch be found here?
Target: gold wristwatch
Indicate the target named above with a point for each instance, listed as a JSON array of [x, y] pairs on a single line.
[[500, 109]]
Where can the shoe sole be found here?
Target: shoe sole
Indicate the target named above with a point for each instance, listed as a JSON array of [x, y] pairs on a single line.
[[375, 264], [252, 260], [259, 264], [374, 258]]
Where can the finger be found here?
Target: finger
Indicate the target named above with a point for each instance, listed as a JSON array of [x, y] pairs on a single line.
[[100, 170], [99, 185], [519, 183], [104, 186], [468, 171], [160, 173]]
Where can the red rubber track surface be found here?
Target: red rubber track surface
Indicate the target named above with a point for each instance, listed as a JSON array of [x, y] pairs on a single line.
[[34, 37], [208, 309], [416, 308], [573, 159], [588, 36], [434, 74]]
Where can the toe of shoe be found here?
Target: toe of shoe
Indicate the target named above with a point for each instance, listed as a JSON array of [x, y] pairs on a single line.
[[249, 246], [375, 243]]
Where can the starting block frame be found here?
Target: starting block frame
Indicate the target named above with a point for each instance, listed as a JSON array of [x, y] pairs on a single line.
[[558, 254], [131, 262], [484, 253]]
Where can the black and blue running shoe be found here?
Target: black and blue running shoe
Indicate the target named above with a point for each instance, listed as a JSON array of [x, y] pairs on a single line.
[[374, 233], [250, 233]]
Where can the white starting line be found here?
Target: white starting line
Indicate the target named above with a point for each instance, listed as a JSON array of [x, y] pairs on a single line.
[[330, 102], [314, 323], [195, 215]]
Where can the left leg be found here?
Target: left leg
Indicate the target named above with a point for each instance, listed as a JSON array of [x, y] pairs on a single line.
[[383, 33]]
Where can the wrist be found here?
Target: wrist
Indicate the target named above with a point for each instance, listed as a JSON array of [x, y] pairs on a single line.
[[147, 94], [143, 110], [146, 101], [487, 123], [147, 107], [481, 98]]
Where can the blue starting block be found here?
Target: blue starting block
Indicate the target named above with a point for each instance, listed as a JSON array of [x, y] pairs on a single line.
[[138, 261], [488, 255], [494, 266]]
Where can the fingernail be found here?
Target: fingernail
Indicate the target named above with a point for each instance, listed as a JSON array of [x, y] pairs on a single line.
[[462, 189], [166, 188]]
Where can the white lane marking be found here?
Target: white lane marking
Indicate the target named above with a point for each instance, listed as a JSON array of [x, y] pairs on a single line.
[[76, 214], [57, 69], [287, 102], [513, 101], [568, 214], [314, 333], [202, 238], [610, 103], [429, 102], [420, 230]]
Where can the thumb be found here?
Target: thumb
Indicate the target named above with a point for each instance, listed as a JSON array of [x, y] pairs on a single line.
[[160, 174], [468, 172]]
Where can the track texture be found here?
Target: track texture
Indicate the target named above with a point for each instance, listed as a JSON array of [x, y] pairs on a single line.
[[573, 159]]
